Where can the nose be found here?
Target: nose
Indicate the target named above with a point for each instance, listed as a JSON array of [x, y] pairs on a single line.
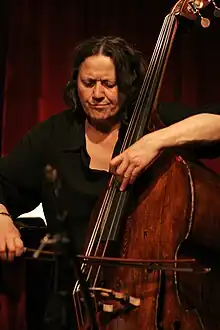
[[98, 91]]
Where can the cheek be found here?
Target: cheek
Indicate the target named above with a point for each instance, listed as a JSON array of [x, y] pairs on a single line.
[[113, 97], [84, 95]]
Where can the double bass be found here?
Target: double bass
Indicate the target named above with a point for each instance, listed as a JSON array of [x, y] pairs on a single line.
[[150, 250]]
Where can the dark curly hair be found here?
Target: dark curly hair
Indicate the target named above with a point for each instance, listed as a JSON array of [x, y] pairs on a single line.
[[129, 65]]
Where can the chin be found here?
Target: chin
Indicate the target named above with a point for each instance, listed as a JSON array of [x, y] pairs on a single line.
[[98, 119], [99, 116], [104, 123]]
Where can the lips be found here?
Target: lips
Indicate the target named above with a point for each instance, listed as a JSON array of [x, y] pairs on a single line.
[[98, 105]]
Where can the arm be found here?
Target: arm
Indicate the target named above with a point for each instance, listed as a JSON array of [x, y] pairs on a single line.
[[171, 113], [198, 130], [20, 186], [9, 236]]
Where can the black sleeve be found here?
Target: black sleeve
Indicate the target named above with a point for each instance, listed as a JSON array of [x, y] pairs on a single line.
[[170, 113], [21, 171]]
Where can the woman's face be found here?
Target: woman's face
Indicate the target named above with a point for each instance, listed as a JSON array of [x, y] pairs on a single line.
[[97, 87]]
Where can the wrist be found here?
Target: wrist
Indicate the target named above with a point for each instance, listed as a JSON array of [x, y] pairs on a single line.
[[6, 214], [5, 217]]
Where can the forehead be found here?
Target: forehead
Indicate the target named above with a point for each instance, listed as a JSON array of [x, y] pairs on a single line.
[[97, 67]]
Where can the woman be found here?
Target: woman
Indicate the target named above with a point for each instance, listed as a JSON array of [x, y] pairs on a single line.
[[83, 143]]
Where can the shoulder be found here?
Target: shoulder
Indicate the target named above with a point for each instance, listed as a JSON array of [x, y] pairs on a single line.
[[54, 130], [56, 125], [64, 130], [59, 120]]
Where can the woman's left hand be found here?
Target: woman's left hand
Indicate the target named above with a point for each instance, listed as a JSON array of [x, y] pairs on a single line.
[[128, 165]]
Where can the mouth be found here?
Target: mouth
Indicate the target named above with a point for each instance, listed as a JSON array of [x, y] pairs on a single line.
[[99, 105]]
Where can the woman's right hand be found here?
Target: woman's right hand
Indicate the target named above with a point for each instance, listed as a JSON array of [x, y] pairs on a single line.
[[11, 244]]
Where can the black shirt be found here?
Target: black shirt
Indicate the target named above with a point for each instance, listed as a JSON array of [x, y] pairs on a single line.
[[60, 142]]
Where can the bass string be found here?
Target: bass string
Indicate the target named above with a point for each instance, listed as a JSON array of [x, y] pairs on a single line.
[[76, 295], [107, 203], [108, 199], [150, 82], [168, 27], [151, 75], [148, 87], [155, 70]]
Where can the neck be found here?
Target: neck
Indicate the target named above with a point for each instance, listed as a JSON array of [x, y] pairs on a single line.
[[98, 136]]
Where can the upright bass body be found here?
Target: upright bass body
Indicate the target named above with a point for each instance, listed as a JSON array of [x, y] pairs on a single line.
[[173, 215], [176, 216]]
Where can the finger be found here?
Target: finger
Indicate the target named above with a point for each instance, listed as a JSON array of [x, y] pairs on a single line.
[[122, 168], [126, 178], [136, 172], [2, 248], [10, 244], [115, 162], [19, 246]]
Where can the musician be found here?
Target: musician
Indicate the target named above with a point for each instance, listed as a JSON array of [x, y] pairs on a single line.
[[83, 142]]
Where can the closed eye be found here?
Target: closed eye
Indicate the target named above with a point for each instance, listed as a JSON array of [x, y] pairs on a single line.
[[108, 84], [89, 82], [92, 82]]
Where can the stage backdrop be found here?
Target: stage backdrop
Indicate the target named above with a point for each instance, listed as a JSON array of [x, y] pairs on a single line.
[[41, 36]]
